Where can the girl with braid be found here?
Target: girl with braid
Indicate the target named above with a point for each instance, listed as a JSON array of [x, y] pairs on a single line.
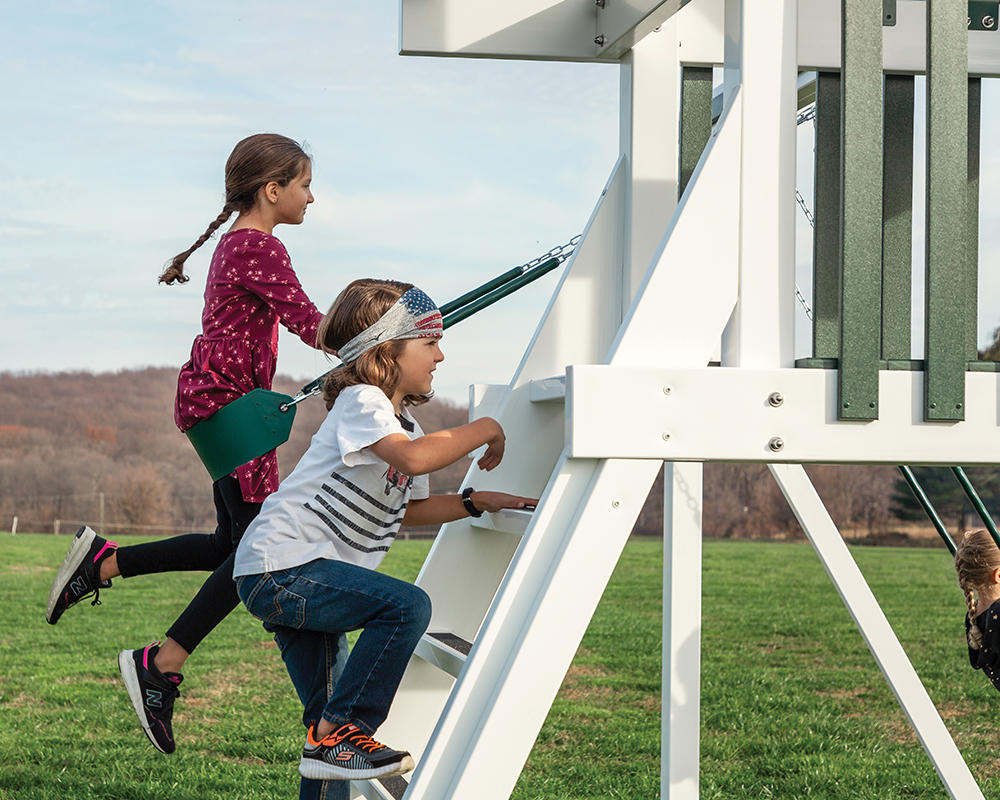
[[251, 289], [977, 562]]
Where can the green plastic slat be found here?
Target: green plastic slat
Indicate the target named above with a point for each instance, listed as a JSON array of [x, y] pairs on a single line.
[[861, 210], [972, 215], [897, 216], [250, 426], [826, 236], [696, 119], [947, 201]]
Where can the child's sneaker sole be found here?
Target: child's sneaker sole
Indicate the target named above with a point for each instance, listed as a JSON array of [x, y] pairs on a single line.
[[74, 558], [317, 770]]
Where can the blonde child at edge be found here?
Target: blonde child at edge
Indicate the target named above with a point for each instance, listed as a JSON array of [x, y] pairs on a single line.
[[977, 562], [306, 566]]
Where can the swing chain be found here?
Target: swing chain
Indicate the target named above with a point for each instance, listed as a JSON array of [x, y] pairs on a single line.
[[315, 390], [562, 252]]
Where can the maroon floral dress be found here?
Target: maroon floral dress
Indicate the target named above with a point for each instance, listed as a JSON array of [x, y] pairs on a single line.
[[251, 288]]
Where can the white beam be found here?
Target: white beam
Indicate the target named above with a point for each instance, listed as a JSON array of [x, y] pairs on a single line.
[[876, 631], [621, 24], [650, 104], [681, 704], [720, 414], [762, 333], [689, 290], [559, 30]]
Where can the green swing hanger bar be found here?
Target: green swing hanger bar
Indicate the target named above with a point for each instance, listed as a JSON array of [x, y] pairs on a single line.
[[261, 420], [928, 507], [970, 491]]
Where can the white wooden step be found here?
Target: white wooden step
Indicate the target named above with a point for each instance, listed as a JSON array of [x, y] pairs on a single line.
[[392, 788], [445, 650], [508, 520], [548, 390]]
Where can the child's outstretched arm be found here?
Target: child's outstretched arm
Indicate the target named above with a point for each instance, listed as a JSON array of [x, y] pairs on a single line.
[[434, 451], [440, 508]]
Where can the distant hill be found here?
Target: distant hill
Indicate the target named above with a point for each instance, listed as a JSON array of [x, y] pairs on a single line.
[[69, 438]]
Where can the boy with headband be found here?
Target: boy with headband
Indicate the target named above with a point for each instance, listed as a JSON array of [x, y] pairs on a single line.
[[306, 567]]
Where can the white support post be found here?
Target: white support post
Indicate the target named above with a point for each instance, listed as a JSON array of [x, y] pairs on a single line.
[[761, 333], [876, 631], [681, 696], [650, 104]]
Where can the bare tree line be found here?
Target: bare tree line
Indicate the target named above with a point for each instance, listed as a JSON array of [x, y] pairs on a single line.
[[75, 443]]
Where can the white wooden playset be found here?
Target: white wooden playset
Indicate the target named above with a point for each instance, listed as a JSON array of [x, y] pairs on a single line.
[[677, 311]]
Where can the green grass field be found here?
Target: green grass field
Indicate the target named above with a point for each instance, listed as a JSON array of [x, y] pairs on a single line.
[[792, 703]]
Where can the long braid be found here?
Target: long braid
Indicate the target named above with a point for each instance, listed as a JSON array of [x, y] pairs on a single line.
[[975, 635], [175, 270], [254, 162]]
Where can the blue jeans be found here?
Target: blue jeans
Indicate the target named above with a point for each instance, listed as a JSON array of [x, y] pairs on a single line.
[[309, 608]]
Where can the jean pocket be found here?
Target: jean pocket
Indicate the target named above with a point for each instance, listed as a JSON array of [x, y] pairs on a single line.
[[273, 604]]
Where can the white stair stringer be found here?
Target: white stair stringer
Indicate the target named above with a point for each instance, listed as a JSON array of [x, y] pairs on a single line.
[[467, 561], [536, 622]]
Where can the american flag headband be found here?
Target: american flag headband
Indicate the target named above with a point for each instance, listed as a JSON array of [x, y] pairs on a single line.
[[413, 316]]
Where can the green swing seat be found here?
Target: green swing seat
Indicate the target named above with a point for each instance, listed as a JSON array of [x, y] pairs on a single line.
[[250, 426]]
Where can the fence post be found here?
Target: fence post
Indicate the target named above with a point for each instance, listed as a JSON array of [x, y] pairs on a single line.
[[13, 528], [55, 527]]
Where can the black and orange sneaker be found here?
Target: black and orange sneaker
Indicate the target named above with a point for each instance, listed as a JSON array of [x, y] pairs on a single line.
[[349, 754], [79, 577], [152, 693]]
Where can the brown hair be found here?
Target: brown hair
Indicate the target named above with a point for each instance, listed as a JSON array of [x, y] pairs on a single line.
[[254, 163], [359, 306], [976, 558]]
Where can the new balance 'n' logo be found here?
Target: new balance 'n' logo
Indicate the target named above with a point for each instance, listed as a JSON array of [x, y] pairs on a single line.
[[79, 586], [154, 698]]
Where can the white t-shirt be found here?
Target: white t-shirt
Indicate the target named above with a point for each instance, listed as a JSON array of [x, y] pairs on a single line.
[[341, 502]]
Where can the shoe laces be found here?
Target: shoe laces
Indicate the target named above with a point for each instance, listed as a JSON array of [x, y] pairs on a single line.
[[356, 736]]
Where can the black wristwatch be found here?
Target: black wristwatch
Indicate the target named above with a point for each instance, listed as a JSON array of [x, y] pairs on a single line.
[[467, 502]]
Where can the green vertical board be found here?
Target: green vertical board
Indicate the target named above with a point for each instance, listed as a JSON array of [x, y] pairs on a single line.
[[826, 212], [861, 210], [947, 200], [696, 119], [972, 213], [897, 216]]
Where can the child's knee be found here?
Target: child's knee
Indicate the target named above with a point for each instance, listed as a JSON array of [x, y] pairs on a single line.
[[420, 608]]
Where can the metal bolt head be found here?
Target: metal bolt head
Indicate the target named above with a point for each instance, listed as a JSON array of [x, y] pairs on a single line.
[[668, 389], [989, 21], [616, 503], [666, 436], [776, 444], [600, 40], [775, 399]]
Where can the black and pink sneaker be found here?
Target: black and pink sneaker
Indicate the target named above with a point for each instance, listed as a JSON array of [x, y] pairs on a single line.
[[152, 693], [79, 577]]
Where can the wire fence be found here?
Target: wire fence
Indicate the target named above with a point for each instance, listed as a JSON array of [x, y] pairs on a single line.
[[70, 527]]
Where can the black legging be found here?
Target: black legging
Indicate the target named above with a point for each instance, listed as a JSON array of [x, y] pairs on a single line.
[[213, 552]]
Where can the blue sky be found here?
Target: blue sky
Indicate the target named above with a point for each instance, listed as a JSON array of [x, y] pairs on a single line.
[[119, 117]]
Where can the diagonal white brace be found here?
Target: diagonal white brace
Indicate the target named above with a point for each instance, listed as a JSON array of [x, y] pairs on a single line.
[[876, 631]]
